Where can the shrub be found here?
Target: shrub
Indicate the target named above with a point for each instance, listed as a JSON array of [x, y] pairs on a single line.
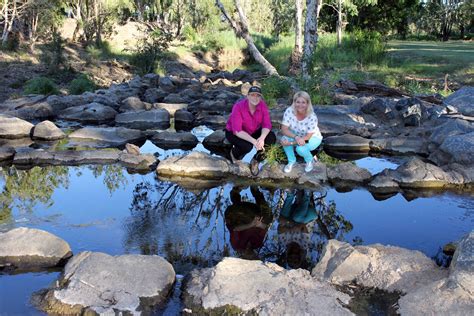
[[150, 50], [40, 85], [81, 84], [275, 87], [274, 154], [369, 46], [189, 34]]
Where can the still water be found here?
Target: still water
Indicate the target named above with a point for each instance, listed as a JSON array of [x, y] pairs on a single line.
[[103, 208]]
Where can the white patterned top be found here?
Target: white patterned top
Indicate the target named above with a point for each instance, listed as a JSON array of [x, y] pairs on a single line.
[[303, 127]]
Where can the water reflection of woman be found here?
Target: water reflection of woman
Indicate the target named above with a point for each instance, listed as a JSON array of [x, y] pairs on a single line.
[[295, 227], [247, 222]]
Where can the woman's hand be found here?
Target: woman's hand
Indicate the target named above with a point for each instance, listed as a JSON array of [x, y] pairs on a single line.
[[300, 141], [286, 142], [260, 143]]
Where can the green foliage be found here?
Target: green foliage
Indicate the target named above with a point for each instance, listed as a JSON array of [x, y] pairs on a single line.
[[189, 34], [81, 84], [274, 154], [150, 50], [328, 160], [40, 85], [273, 88], [369, 46]]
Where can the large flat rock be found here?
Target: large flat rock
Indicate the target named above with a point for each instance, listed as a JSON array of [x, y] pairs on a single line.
[[72, 157], [196, 164], [143, 120], [243, 286], [93, 113], [31, 249], [98, 283], [384, 267]]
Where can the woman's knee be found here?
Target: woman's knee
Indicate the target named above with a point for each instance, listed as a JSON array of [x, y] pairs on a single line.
[[301, 150], [270, 139]]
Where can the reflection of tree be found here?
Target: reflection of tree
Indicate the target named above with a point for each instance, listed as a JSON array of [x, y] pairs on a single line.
[[114, 177], [180, 224], [23, 189]]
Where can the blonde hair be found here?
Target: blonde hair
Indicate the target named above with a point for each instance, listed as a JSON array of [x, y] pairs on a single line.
[[304, 95]]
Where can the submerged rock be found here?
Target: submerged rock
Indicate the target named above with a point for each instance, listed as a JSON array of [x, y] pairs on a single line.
[[384, 267], [28, 249], [237, 286], [103, 284]]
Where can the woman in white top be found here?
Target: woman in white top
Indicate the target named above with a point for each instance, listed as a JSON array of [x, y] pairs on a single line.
[[300, 131]]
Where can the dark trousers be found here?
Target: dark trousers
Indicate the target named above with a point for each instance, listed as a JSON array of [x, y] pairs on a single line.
[[241, 147]]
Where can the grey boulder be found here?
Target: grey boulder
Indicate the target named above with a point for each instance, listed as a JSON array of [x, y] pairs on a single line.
[[13, 127], [98, 283], [115, 136], [463, 100], [47, 130], [31, 249], [143, 120], [239, 286], [169, 140], [90, 113]]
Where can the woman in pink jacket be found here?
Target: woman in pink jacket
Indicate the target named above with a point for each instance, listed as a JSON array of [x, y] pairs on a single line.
[[249, 126]]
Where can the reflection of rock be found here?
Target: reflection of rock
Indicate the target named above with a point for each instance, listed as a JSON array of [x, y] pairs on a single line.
[[99, 283], [46, 130], [384, 267], [242, 286], [31, 249], [453, 295], [167, 140], [13, 127], [112, 135], [142, 120]]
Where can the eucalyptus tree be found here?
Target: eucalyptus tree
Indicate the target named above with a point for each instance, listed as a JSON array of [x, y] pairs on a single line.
[[241, 29]]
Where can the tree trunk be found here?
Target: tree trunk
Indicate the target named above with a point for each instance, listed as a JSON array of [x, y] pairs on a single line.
[[310, 34], [6, 24], [298, 28], [295, 59], [241, 30], [339, 22]]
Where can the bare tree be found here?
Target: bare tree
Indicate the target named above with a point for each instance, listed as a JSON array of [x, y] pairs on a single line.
[[241, 30], [310, 34], [11, 12], [295, 63]]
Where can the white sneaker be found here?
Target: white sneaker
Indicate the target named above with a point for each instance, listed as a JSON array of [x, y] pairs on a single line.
[[309, 166], [288, 167]]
